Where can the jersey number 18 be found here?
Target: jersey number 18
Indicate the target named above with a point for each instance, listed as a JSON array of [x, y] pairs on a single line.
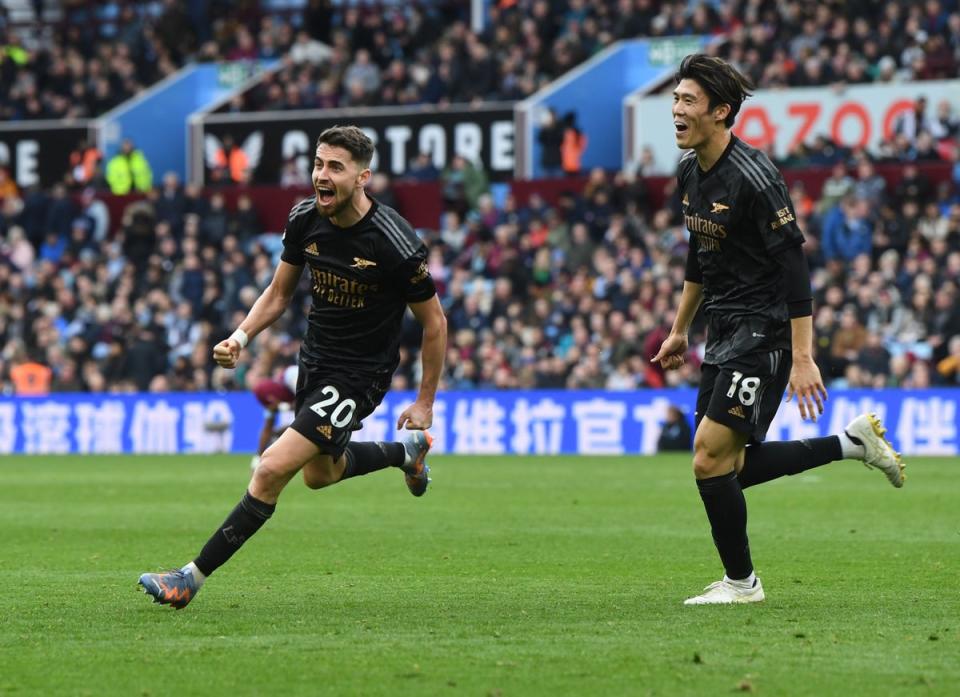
[[748, 388]]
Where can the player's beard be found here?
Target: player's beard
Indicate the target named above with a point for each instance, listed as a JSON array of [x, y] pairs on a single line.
[[337, 206]]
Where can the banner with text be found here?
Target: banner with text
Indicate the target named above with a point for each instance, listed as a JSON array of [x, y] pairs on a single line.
[[920, 422], [38, 152], [482, 134], [858, 115]]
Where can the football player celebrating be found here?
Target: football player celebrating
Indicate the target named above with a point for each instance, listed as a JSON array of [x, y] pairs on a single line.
[[366, 266], [746, 265]]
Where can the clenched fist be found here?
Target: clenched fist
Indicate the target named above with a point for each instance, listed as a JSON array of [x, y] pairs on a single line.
[[226, 353]]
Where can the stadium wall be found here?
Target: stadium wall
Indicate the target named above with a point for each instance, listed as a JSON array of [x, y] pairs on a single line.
[[594, 92], [421, 202], [481, 133], [156, 120], [921, 422], [38, 152]]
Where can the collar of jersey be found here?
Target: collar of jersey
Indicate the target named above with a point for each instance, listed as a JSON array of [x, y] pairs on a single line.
[[723, 156]]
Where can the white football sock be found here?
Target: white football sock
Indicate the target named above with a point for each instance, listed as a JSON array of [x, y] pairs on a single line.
[[198, 576], [851, 448]]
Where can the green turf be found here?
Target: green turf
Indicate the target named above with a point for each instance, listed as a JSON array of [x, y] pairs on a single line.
[[513, 576]]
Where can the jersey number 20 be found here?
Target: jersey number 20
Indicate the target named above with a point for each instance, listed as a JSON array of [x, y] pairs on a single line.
[[748, 388], [342, 414]]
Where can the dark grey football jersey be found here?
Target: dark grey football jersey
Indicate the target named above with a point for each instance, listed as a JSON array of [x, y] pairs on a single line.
[[740, 218], [363, 277]]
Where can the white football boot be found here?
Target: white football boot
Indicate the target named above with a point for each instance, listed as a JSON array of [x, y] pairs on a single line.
[[726, 592], [878, 452]]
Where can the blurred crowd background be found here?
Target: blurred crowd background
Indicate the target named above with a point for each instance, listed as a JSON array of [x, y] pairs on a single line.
[[86, 57], [577, 292]]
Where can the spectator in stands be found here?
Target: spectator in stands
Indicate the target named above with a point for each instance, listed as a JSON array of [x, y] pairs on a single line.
[[848, 230], [229, 163], [85, 164], [675, 435], [422, 169], [462, 185], [128, 171], [946, 124], [171, 204], [869, 185], [550, 137], [30, 377], [17, 249], [8, 187], [848, 341], [835, 188], [308, 50], [914, 122], [948, 369], [572, 146], [913, 186], [361, 79]]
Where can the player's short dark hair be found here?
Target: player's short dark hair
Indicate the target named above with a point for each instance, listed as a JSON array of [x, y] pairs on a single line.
[[351, 139], [723, 83]]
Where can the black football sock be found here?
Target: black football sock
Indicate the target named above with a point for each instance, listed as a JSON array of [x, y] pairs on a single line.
[[727, 511], [364, 458], [243, 521], [764, 462]]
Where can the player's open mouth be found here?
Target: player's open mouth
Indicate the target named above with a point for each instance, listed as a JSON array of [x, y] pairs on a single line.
[[680, 126], [325, 196]]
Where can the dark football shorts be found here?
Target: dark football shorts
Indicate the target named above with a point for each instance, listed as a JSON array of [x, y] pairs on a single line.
[[328, 411], [745, 392]]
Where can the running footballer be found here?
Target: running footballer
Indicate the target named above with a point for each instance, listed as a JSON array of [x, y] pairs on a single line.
[[366, 268]]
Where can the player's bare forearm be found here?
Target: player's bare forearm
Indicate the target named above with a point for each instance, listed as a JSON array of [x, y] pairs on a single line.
[[433, 348], [268, 308], [801, 329], [265, 311], [673, 350], [690, 300], [273, 301], [805, 380]]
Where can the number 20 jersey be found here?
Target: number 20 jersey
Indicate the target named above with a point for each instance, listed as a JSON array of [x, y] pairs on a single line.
[[362, 279]]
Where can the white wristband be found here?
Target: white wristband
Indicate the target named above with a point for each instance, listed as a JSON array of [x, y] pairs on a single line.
[[240, 337]]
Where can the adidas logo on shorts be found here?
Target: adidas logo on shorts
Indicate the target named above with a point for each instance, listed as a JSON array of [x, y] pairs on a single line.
[[737, 411]]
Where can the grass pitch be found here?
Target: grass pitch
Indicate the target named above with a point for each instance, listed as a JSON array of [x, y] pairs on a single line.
[[512, 576]]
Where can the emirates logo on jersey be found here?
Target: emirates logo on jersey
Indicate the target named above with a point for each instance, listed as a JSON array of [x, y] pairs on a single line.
[[705, 226]]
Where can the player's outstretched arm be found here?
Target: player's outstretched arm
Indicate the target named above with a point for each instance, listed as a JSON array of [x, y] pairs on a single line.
[[674, 347], [429, 313], [265, 311]]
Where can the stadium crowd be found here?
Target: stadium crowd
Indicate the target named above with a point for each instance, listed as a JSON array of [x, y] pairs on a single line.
[[398, 54], [578, 294], [574, 294], [337, 54]]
